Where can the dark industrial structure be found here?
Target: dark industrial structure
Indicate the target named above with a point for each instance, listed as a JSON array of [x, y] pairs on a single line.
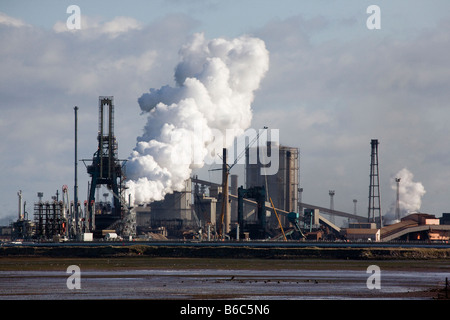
[[374, 186], [22, 228], [256, 230], [106, 169], [283, 186]]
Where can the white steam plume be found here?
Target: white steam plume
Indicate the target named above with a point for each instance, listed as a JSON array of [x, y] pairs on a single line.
[[215, 82], [410, 195]]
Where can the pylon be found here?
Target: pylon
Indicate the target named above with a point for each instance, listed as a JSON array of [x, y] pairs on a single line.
[[374, 187]]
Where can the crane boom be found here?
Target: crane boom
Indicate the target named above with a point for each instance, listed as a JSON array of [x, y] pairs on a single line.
[[226, 171]]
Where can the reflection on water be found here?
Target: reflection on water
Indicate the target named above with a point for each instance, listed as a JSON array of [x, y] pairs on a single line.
[[217, 284]]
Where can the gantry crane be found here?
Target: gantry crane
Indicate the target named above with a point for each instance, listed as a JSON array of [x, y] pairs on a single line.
[[106, 168]]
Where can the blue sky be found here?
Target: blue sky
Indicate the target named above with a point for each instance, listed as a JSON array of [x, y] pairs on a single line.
[[332, 86]]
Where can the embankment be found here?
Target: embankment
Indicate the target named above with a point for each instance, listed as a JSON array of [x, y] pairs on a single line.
[[187, 251]]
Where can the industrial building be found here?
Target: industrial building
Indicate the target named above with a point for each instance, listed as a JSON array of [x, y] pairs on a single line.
[[250, 210], [265, 206], [22, 228], [362, 234], [417, 227], [171, 216], [413, 227], [282, 187]]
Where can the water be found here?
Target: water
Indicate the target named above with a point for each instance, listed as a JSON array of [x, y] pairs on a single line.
[[218, 284]]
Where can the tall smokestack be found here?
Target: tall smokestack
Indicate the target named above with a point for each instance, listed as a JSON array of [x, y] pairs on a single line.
[[397, 205], [225, 207], [234, 191], [75, 192], [20, 205]]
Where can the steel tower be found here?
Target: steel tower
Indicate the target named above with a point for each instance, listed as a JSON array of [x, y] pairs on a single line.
[[374, 187], [106, 168]]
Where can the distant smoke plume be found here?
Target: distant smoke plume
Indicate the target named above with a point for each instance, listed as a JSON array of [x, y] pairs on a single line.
[[410, 192], [191, 122]]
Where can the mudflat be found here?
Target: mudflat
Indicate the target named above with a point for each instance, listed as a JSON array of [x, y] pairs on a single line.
[[143, 277]]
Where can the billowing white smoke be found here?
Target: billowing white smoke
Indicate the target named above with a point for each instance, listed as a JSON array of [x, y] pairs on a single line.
[[187, 124], [410, 195]]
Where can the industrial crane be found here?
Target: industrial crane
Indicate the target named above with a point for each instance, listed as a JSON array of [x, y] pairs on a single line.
[[225, 174]]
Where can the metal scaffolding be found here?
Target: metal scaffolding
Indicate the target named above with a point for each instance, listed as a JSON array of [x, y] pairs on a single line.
[[49, 219]]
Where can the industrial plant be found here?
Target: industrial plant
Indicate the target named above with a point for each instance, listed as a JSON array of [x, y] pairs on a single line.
[[263, 207]]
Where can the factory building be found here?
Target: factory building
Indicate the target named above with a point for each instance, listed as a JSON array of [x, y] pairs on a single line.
[[168, 216], [193, 208], [282, 187], [271, 184], [417, 227], [413, 227], [175, 206], [363, 234]]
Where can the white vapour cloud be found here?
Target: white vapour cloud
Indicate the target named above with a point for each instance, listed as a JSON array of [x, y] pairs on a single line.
[[192, 122], [410, 194]]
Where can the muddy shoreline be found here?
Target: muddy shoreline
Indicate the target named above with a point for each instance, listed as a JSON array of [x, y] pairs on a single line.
[[246, 252], [178, 268], [143, 277]]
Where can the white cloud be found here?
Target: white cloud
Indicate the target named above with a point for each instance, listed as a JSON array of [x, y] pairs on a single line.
[[11, 21], [93, 27]]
